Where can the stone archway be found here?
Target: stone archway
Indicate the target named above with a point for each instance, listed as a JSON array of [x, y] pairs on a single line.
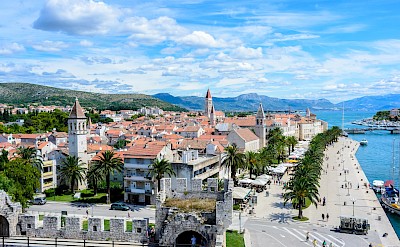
[[184, 239], [4, 227]]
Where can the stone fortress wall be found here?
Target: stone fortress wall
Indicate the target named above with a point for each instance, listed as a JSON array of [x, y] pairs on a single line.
[[72, 228], [171, 222]]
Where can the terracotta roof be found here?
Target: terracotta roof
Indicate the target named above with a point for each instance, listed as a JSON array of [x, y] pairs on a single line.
[[42, 145], [246, 134], [194, 144], [117, 154], [77, 111], [29, 136], [213, 137], [149, 150], [98, 147], [242, 122]]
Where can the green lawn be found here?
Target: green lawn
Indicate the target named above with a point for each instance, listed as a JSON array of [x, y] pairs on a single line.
[[302, 219], [85, 225], [41, 216], [129, 226], [106, 225], [99, 198], [234, 239]]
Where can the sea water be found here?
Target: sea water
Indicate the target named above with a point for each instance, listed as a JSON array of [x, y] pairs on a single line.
[[376, 158]]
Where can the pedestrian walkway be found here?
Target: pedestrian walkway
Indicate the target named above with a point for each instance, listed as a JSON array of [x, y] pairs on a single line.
[[347, 193]]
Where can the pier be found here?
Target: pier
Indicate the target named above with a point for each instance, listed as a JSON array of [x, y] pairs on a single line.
[[363, 130]]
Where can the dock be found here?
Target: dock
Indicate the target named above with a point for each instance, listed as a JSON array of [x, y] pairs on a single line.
[[364, 130]]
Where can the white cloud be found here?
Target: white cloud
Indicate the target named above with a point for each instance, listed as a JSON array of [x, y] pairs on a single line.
[[86, 43], [153, 31], [246, 53], [202, 39], [279, 37], [81, 17], [50, 46], [12, 48]]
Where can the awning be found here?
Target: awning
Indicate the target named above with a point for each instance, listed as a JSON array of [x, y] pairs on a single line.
[[264, 177], [245, 181], [240, 193], [259, 182]]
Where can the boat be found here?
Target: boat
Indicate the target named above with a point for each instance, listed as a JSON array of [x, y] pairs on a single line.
[[390, 196], [364, 142], [378, 186], [390, 199]]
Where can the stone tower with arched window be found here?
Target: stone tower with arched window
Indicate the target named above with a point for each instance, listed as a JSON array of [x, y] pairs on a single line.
[[77, 131], [261, 129]]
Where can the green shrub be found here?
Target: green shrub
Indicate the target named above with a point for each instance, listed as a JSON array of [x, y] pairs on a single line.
[[236, 207], [50, 192]]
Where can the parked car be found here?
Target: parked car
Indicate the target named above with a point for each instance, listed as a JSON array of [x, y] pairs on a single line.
[[39, 201], [119, 206]]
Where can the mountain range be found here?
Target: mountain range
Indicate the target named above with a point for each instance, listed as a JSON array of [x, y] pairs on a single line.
[[250, 102], [26, 93], [22, 94]]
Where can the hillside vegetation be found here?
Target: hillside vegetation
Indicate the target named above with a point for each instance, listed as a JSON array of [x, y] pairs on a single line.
[[25, 93]]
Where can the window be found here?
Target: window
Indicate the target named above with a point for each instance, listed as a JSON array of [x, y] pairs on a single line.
[[138, 230], [95, 228], [29, 226]]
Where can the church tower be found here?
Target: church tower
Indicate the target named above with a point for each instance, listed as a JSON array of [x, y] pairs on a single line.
[[77, 131], [213, 119], [261, 128], [208, 104]]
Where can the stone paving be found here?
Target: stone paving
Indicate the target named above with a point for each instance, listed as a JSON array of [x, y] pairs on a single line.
[[339, 201]]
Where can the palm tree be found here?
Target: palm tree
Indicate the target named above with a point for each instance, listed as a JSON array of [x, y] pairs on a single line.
[[298, 189], [291, 142], [93, 179], [251, 161], [107, 164], [29, 154], [233, 160], [72, 171], [158, 169]]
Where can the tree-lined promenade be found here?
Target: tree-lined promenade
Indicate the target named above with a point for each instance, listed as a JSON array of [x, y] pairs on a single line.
[[305, 180]]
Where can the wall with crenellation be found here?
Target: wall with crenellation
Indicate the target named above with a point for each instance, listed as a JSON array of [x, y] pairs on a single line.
[[72, 228]]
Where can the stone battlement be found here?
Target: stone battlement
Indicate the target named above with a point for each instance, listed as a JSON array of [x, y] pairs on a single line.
[[174, 225], [71, 227]]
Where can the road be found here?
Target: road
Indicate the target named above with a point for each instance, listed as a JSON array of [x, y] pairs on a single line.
[[289, 234], [98, 210]]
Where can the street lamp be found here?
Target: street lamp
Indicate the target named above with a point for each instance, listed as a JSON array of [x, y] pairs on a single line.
[[353, 200], [348, 189], [240, 221]]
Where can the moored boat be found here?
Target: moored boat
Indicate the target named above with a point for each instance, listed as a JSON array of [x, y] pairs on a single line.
[[364, 142], [390, 200], [378, 186]]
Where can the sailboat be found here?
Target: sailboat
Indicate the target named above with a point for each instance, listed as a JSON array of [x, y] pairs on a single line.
[[390, 196]]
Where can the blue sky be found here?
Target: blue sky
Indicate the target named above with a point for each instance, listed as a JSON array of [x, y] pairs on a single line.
[[336, 50]]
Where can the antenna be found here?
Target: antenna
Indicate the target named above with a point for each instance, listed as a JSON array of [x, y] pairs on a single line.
[[394, 140], [342, 116]]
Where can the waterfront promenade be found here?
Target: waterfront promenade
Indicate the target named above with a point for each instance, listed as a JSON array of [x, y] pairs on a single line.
[[341, 190], [339, 201]]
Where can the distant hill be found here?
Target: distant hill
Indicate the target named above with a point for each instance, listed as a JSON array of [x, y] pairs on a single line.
[[247, 102], [250, 102], [373, 103], [25, 93]]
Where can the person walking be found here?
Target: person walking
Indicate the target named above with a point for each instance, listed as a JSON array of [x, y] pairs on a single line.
[[314, 242], [324, 244], [323, 217], [331, 245], [307, 236], [193, 241], [327, 217]]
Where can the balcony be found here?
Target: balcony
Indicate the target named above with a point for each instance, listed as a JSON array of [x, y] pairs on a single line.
[[136, 166], [138, 190], [47, 174], [137, 178]]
